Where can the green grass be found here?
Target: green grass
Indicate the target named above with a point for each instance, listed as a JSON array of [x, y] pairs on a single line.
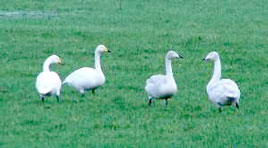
[[139, 33]]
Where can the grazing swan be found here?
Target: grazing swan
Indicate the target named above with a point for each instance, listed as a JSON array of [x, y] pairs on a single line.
[[87, 78], [48, 82], [221, 92], [162, 86]]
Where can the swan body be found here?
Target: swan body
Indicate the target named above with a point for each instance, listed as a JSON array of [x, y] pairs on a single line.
[[48, 82], [221, 92], [88, 78], [85, 78], [162, 86]]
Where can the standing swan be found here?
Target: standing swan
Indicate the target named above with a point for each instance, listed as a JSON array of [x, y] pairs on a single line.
[[87, 78], [162, 86], [221, 92], [48, 82]]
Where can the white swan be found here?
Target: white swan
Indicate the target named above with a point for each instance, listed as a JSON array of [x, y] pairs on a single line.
[[87, 78], [162, 86], [48, 82], [221, 92]]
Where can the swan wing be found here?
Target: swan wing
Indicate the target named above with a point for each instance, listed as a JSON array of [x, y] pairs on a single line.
[[48, 82], [78, 74], [231, 88], [156, 79], [85, 78], [224, 90]]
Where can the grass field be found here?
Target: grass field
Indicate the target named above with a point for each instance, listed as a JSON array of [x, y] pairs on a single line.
[[139, 33]]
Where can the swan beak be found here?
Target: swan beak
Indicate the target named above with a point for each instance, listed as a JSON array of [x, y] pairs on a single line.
[[60, 62], [180, 56], [107, 50], [204, 59]]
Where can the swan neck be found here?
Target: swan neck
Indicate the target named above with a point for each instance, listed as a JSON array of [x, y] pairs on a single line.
[[168, 67], [46, 65], [217, 71], [97, 61]]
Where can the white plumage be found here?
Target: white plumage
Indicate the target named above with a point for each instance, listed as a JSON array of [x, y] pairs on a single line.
[[162, 86], [221, 92], [87, 78], [48, 82]]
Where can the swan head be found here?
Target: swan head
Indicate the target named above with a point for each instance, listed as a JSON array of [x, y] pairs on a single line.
[[172, 54], [102, 49], [54, 59], [212, 56]]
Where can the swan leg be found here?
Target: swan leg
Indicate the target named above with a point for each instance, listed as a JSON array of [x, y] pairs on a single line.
[[166, 101], [82, 91], [58, 98], [237, 105], [220, 109], [42, 98], [93, 91], [150, 101], [219, 105], [73, 96]]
